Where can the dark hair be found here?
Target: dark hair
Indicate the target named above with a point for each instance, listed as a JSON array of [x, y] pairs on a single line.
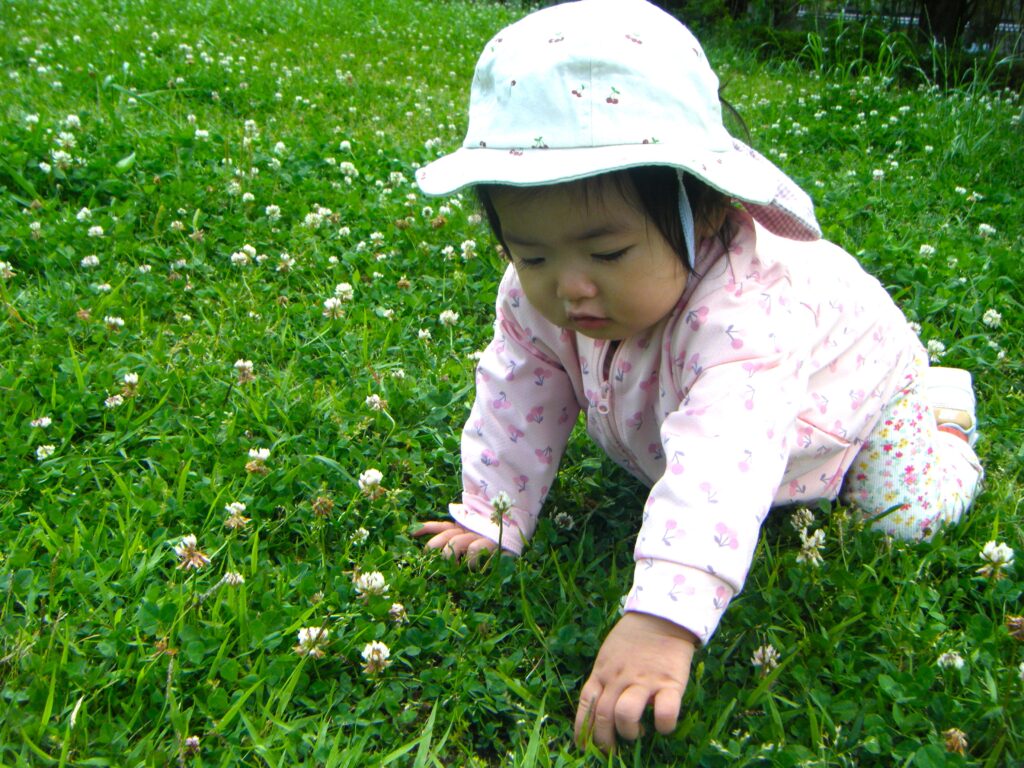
[[656, 190]]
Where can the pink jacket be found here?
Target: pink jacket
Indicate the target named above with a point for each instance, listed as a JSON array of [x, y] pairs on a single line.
[[758, 389]]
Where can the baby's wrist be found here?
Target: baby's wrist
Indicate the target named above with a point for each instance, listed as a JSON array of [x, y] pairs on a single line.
[[666, 627]]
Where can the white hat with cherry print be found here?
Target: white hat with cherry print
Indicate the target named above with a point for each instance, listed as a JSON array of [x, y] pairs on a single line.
[[595, 86]]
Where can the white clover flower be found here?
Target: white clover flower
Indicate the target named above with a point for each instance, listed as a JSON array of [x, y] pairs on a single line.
[[997, 558], [345, 145], [449, 317], [106, 288], [113, 322], [236, 518], [360, 535], [926, 250], [950, 659], [423, 334], [564, 520], [985, 230], [244, 369], [801, 519], [501, 503], [60, 158], [766, 658], [992, 318], [878, 174], [371, 583], [114, 401], [189, 555], [90, 262], [145, 269], [248, 197], [42, 422], [239, 258], [202, 134], [468, 248], [348, 170], [915, 327], [370, 480], [131, 379], [234, 507], [332, 308], [312, 641], [375, 403], [259, 454], [376, 655], [6, 270], [44, 452], [285, 262], [398, 614], [1020, 671], [233, 578], [84, 214], [344, 291], [936, 349], [96, 231], [810, 548], [273, 212]]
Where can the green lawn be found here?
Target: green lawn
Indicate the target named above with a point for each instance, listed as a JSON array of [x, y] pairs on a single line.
[[184, 185]]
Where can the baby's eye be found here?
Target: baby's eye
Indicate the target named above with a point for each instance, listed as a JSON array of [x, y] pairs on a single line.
[[613, 256], [535, 262]]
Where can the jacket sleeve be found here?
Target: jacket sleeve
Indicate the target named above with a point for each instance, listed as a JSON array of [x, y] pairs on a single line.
[[520, 422], [726, 449]]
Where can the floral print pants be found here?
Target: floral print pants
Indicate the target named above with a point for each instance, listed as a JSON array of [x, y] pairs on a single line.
[[922, 477]]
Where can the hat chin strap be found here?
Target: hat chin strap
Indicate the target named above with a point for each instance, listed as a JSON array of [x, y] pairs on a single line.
[[686, 219]]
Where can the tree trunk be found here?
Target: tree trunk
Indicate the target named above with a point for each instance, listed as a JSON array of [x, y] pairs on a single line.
[[944, 20]]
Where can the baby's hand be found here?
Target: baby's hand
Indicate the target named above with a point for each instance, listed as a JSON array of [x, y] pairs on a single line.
[[644, 660], [456, 541]]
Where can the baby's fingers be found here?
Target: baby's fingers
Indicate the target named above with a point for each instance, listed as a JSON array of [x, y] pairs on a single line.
[[478, 550], [667, 703], [436, 526], [628, 710]]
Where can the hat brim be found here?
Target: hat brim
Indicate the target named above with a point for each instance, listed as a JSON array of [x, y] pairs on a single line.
[[739, 172]]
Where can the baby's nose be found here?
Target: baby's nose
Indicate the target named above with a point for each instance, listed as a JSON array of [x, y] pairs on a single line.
[[575, 285]]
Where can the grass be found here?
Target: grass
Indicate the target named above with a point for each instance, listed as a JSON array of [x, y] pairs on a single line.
[[111, 655]]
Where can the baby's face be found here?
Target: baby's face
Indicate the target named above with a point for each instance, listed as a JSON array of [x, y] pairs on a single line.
[[589, 259]]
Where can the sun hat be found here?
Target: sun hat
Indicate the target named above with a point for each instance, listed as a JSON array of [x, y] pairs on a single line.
[[595, 86]]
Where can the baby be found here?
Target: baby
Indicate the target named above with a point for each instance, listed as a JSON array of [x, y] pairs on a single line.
[[672, 284]]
